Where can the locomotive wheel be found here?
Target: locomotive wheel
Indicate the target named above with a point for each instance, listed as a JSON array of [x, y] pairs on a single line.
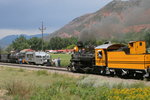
[[71, 67], [68, 68], [104, 71]]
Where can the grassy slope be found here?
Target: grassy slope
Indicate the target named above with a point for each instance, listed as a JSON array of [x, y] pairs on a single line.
[[40, 85]]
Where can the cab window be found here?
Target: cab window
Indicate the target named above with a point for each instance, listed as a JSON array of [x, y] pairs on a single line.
[[140, 43], [100, 54]]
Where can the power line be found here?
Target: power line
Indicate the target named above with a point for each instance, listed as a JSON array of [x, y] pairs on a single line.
[[42, 31]]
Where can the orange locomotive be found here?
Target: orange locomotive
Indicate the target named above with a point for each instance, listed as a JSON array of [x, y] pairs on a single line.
[[129, 60], [116, 59]]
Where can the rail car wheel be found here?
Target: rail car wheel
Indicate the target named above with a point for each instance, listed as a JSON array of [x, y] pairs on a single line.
[[127, 74], [146, 78], [139, 76], [118, 72]]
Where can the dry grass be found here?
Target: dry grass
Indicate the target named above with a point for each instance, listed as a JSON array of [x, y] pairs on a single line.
[[19, 88], [42, 85]]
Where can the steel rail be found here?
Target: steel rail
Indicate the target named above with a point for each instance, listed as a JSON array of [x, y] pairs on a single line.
[[35, 66]]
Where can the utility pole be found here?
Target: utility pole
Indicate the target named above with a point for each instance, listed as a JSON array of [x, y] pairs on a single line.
[[42, 31]]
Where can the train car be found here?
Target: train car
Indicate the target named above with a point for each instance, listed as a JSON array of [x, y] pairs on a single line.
[[14, 57], [9, 58], [5, 57], [117, 59], [39, 58]]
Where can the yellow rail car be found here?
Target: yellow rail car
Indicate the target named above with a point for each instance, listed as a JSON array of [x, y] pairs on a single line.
[[132, 58]]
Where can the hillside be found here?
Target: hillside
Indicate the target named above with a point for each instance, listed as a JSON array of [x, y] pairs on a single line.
[[113, 20]]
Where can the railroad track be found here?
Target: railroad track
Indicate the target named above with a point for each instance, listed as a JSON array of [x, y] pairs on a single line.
[[35, 66]]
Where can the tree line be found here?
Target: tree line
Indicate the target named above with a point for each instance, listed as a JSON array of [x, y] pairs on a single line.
[[36, 43], [55, 43]]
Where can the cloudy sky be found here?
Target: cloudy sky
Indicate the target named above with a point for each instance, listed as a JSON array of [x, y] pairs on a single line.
[[25, 16]]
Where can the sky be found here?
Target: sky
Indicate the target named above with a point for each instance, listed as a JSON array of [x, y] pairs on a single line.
[[26, 16]]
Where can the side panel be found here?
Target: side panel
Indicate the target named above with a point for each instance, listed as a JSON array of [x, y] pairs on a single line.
[[100, 57], [119, 59], [38, 60], [147, 61]]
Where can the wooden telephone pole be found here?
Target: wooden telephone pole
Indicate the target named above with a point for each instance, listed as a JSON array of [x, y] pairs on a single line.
[[42, 28]]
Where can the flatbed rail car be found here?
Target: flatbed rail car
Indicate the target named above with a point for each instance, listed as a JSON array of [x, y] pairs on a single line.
[[117, 59]]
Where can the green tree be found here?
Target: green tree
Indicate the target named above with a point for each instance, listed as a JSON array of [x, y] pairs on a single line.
[[55, 43], [9, 48], [35, 43], [70, 46], [20, 43], [60, 43], [46, 44]]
